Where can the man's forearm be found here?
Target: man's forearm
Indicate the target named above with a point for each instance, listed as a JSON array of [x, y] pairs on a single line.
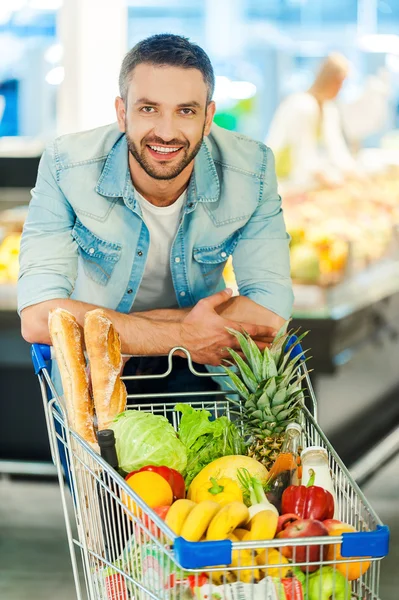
[[170, 315], [245, 310], [139, 335]]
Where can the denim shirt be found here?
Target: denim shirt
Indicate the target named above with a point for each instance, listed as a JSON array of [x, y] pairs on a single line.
[[85, 239]]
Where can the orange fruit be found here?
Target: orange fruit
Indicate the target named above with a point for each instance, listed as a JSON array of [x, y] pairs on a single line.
[[151, 487], [351, 570]]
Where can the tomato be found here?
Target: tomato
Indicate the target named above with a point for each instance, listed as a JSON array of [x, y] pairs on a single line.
[[172, 476]]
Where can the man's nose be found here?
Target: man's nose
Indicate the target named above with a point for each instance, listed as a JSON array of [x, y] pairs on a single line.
[[165, 128]]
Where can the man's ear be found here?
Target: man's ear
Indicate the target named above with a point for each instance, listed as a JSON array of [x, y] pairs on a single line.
[[210, 113], [120, 113]]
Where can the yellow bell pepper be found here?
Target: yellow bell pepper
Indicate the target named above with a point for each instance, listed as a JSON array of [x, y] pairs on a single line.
[[222, 491]]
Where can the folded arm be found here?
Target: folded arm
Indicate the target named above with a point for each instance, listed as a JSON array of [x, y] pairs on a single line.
[[261, 259]]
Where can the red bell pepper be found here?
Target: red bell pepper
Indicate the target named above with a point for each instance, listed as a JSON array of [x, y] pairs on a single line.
[[308, 502], [172, 476]]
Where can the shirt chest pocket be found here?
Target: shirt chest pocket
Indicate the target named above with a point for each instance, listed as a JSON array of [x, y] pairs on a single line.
[[99, 256], [212, 259]]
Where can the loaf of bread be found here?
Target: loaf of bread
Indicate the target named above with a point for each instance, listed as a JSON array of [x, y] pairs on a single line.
[[67, 340], [103, 347]]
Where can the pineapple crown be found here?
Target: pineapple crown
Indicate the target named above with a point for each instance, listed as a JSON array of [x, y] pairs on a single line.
[[268, 382]]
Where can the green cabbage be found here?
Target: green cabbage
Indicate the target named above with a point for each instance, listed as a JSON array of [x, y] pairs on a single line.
[[145, 439]]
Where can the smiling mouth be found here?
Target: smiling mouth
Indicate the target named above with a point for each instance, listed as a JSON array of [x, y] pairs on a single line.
[[164, 152]]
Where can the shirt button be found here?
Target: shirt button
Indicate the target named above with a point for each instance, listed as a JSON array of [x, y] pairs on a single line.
[[182, 294], [190, 204], [177, 259], [140, 253], [91, 251], [130, 291], [223, 254]]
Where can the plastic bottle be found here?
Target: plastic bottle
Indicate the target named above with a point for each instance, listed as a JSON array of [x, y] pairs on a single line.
[[284, 472], [316, 458]]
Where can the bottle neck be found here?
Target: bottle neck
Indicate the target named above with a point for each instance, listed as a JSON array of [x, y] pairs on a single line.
[[291, 442], [108, 453]]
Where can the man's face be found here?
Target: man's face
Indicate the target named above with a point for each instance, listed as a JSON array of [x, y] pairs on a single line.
[[165, 118]]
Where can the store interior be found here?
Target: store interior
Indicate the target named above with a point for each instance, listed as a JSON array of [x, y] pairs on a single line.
[[58, 74]]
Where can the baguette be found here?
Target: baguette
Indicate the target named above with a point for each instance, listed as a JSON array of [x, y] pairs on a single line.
[[103, 347], [67, 340]]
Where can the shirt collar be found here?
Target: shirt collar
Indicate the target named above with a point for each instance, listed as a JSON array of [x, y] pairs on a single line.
[[115, 180]]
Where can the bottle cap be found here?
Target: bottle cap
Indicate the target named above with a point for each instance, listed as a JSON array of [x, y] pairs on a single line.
[[106, 438], [294, 427], [310, 449]]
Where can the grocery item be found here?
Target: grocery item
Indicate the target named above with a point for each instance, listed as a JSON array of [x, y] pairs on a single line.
[[152, 488], [269, 384], [284, 471], [301, 554], [262, 526], [270, 556], [145, 439], [308, 502], [198, 520], [257, 498], [223, 491], [103, 347], [107, 445], [227, 466], [351, 570], [315, 460], [178, 513], [109, 508], [67, 340], [206, 440], [173, 477], [327, 583], [226, 520]]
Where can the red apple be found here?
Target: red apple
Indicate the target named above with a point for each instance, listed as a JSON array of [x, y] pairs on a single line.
[[309, 553]]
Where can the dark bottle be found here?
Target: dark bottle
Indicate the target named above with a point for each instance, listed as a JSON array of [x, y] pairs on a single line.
[[116, 526], [284, 471], [106, 441]]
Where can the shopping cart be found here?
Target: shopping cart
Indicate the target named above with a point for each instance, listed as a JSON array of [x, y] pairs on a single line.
[[127, 551]]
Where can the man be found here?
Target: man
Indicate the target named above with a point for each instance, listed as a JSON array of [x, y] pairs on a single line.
[[306, 133], [140, 218]]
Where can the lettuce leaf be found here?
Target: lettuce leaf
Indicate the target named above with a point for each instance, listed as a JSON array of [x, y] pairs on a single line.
[[206, 440]]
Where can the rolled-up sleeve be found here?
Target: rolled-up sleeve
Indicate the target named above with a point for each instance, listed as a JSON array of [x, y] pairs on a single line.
[[261, 259], [48, 254]]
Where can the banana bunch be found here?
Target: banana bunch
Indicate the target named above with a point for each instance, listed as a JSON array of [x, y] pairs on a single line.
[[209, 521]]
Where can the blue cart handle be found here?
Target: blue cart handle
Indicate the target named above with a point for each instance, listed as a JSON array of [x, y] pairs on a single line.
[[296, 350], [41, 354]]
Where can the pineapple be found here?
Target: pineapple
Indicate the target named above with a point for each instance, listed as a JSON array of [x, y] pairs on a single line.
[[269, 384]]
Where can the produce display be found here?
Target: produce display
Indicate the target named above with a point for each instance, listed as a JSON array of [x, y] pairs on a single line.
[[341, 229], [11, 225], [211, 479]]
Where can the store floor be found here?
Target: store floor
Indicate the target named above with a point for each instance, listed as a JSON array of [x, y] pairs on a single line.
[[34, 558]]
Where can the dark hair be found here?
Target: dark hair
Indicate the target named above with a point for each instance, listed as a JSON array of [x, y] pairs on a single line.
[[167, 49]]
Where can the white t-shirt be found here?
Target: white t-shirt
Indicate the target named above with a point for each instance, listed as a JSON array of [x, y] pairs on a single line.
[[156, 289]]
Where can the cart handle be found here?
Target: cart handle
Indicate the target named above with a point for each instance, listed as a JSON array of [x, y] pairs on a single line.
[[197, 555], [41, 354]]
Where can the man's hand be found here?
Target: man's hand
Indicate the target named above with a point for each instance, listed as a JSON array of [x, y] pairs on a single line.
[[203, 332]]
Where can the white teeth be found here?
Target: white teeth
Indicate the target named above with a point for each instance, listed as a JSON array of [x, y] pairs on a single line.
[[163, 150]]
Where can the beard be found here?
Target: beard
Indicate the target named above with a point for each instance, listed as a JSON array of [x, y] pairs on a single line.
[[163, 171]]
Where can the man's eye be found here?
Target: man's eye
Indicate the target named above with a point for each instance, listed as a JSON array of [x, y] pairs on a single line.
[[187, 111], [147, 109]]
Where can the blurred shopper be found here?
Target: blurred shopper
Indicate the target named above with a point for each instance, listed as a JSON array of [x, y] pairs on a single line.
[[306, 133], [141, 216]]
